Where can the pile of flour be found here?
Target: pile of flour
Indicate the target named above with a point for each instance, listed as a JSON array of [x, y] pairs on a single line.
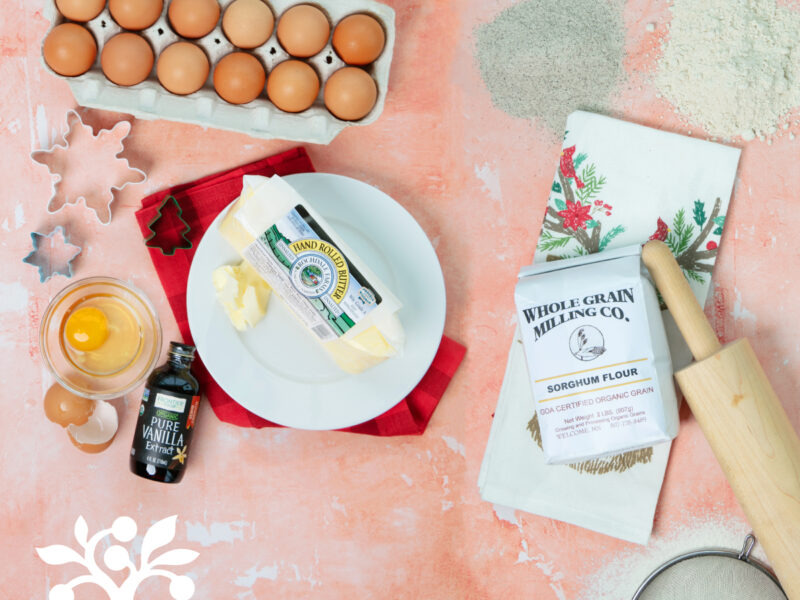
[[544, 59], [732, 66]]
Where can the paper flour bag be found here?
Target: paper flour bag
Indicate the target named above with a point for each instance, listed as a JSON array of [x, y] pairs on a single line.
[[597, 355]]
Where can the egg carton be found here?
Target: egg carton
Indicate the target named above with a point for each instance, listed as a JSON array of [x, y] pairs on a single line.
[[259, 118]]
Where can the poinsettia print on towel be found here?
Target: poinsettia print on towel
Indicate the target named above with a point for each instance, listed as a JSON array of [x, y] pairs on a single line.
[[579, 221], [574, 221]]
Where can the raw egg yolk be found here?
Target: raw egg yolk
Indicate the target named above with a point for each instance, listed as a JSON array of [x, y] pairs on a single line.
[[87, 329]]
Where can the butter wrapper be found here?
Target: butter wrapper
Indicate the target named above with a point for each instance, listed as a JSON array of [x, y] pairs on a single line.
[[597, 356], [325, 284]]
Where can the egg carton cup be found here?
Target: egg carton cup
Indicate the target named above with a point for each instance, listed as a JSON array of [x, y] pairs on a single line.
[[259, 118]]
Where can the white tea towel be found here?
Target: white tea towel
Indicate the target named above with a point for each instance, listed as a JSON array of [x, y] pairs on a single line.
[[616, 184]]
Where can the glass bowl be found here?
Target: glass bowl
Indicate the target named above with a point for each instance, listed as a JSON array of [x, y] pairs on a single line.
[[64, 362]]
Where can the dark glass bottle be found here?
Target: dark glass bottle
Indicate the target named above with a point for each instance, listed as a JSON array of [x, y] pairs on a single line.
[[167, 418]]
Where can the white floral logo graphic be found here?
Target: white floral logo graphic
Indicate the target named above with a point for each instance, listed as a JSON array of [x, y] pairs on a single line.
[[118, 558]]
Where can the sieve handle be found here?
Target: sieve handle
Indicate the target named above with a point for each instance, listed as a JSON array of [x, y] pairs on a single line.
[[747, 548]]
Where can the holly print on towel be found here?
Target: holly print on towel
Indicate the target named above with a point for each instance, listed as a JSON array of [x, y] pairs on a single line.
[[691, 245], [573, 223]]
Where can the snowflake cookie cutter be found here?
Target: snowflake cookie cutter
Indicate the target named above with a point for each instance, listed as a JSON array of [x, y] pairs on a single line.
[[96, 184], [43, 256], [156, 238]]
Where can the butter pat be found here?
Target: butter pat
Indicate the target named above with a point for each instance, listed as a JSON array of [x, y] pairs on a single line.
[[326, 285], [243, 294]]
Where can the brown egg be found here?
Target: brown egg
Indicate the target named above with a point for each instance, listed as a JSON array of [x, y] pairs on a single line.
[[69, 49], [303, 30], [135, 14], [193, 18], [358, 39], [248, 23], [293, 86], [127, 59], [239, 78], [350, 93], [80, 10], [65, 408], [182, 68]]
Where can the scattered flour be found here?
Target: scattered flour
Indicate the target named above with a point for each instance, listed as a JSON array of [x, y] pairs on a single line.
[[544, 59], [733, 67]]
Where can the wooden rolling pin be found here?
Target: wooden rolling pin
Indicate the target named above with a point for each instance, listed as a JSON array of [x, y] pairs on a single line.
[[742, 419]]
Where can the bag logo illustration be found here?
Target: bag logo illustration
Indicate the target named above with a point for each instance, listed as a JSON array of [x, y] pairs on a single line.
[[318, 269], [118, 558], [313, 275], [586, 343]]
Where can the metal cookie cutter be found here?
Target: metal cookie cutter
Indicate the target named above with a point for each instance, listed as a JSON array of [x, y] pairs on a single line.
[[101, 173], [46, 250], [175, 231]]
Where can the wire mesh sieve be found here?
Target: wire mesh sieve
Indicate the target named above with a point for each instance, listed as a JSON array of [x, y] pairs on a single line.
[[712, 574]]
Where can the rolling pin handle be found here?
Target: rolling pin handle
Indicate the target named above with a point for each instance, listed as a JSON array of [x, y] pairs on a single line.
[[680, 299]]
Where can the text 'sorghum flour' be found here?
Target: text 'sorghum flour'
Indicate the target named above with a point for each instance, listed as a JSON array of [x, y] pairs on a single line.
[[597, 356]]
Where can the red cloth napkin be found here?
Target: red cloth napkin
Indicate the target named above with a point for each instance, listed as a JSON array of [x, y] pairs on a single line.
[[201, 201]]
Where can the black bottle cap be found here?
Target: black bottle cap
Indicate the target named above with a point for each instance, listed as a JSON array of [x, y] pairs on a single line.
[[179, 349]]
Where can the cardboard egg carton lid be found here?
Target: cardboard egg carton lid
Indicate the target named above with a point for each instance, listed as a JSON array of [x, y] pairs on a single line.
[[259, 118]]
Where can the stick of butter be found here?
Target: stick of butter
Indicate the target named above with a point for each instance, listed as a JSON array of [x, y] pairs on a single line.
[[242, 293], [325, 284]]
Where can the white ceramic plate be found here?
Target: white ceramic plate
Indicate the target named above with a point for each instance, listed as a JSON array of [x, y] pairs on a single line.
[[277, 369]]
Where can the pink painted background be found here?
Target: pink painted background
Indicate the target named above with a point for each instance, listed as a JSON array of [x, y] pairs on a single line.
[[294, 514]]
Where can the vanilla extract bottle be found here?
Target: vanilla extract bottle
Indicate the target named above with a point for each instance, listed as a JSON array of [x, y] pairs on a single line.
[[167, 418]]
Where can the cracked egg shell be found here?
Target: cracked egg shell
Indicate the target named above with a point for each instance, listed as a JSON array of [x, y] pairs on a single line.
[[99, 430], [65, 408]]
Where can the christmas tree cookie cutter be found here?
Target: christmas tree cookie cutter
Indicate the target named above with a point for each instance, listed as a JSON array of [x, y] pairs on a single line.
[[88, 167], [158, 238], [53, 254]]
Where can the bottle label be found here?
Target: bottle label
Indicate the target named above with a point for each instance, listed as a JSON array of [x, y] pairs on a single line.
[[164, 428], [298, 258]]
